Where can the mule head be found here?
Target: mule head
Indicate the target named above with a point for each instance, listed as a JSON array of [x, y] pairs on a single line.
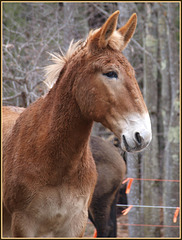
[[107, 90]]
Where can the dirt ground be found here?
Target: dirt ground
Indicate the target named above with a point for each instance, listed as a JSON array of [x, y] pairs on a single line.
[[122, 230]]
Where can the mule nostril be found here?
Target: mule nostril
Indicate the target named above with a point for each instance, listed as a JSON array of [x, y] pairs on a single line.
[[138, 137]]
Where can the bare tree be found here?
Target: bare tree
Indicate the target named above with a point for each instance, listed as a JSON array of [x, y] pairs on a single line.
[[26, 40], [150, 160], [171, 154]]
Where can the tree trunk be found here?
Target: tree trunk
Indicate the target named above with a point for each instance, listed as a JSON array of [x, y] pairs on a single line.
[[150, 158], [164, 84], [171, 154], [134, 196]]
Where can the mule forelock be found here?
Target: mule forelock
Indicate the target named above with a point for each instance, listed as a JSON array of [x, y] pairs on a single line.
[[116, 41], [53, 70]]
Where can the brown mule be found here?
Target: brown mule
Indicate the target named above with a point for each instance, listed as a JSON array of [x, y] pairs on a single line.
[[49, 173], [111, 171]]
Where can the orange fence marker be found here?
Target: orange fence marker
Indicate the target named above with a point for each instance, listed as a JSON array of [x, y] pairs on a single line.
[[176, 215], [126, 180], [125, 211], [95, 233], [129, 185]]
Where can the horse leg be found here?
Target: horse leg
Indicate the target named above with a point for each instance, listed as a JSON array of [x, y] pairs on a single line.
[[22, 225], [99, 214], [103, 215], [113, 218], [101, 224], [6, 223]]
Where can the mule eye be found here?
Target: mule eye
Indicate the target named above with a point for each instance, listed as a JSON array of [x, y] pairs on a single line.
[[111, 74]]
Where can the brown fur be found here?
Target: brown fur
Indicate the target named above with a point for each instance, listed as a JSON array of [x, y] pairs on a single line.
[[49, 174], [10, 115], [110, 168], [111, 171]]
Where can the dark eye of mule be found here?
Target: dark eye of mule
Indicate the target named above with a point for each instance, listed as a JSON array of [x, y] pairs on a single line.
[[111, 74]]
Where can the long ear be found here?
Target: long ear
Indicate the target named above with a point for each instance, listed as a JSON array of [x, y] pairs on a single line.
[[107, 29], [128, 29], [100, 37]]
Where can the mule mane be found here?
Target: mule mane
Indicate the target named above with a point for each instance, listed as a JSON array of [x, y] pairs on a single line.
[[59, 60]]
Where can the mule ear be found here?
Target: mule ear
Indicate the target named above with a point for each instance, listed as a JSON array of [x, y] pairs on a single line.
[[107, 29], [128, 30]]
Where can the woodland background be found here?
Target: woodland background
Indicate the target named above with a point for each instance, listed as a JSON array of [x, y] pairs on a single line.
[[30, 30]]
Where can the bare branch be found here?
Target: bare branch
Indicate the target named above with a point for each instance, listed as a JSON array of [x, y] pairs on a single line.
[[17, 80], [101, 10], [12, 97], [146, 52]]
